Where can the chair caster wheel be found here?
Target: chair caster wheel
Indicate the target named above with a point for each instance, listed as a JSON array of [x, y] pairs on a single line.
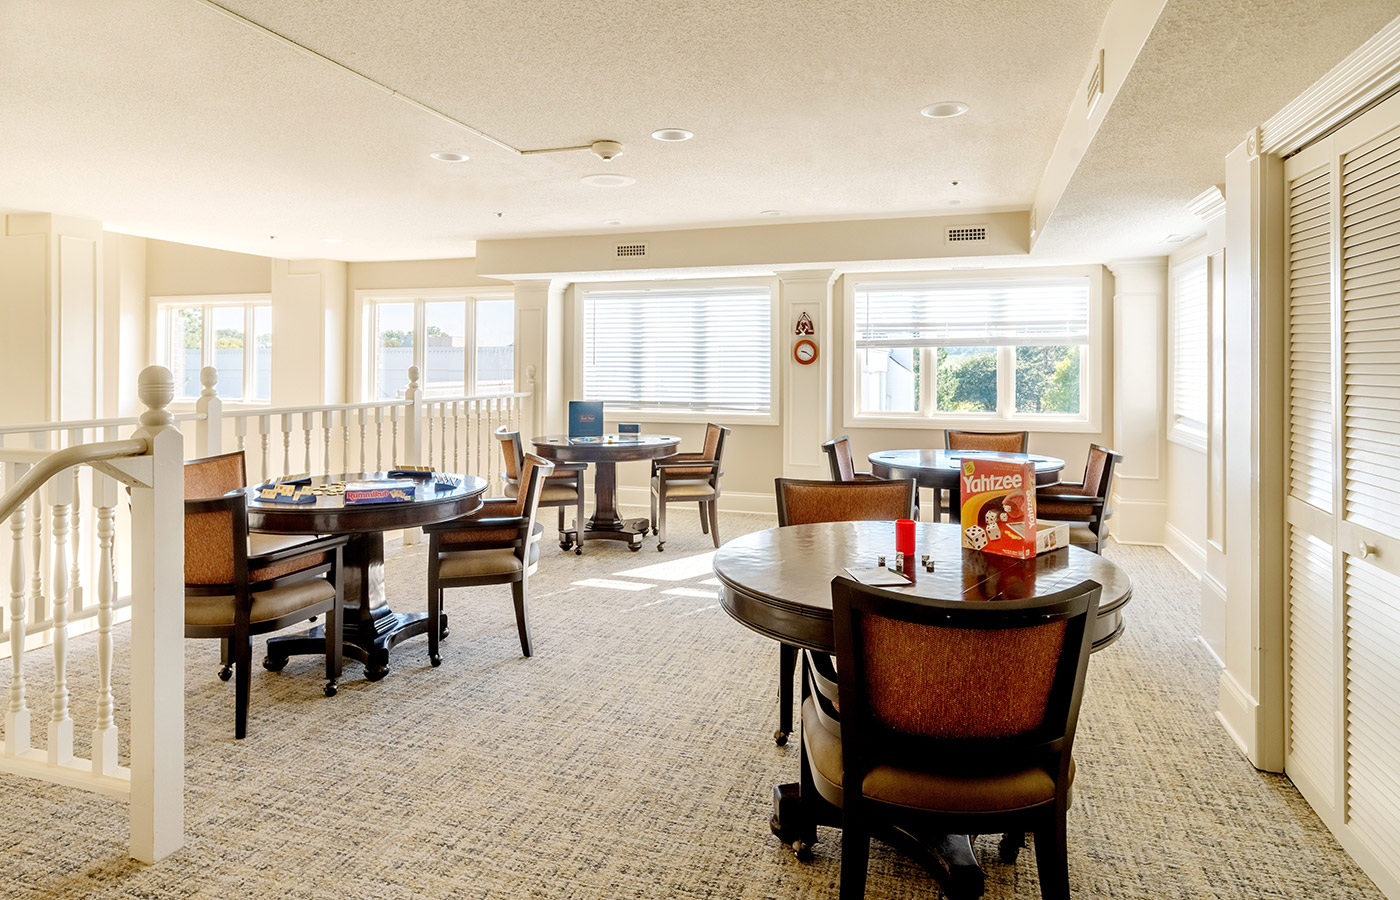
[[566, 546], [801, 850], [376, 673], [273, 664], [635, 547], [226, 673], [435, 660], [660, 546], [780, 738], [578, 551], [331, 689], [655, 531], [1010, 847]]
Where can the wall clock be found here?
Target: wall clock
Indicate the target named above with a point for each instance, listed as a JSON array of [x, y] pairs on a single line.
[[805, 352]]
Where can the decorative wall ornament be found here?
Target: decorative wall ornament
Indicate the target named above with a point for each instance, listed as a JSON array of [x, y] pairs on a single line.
[[804, 325]]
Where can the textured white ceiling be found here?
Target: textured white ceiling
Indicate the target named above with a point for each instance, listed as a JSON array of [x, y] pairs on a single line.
[[165, 118], [168, 119], [1209, 72]]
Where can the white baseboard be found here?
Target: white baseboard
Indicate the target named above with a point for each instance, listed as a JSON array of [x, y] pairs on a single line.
[[729, 501], [1238, 712], [1213, 616], [1139, 521], [1187, 552]]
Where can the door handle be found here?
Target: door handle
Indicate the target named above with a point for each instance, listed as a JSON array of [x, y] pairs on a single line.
[[1364, 550]]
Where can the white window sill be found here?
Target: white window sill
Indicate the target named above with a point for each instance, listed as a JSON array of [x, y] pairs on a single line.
[[682, 417], [1190, 438], [975, 423]]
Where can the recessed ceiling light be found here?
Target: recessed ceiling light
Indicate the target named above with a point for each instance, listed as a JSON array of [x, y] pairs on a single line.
[[771, 212], [449, 156], [612, 221], [954, 202], [1175, 238], [672, 134], [608, 180], [944, 109]]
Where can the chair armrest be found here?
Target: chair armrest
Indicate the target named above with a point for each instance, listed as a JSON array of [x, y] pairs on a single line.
[[866, 476], [316, 545], [1062, 487], [1079, 499], [671, 462], [479, 524]]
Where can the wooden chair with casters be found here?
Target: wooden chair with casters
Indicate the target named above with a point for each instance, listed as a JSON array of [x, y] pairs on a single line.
[[838, 455], [689, 478], [803, 502], [1083, 505], [232, 594], [498, 544], [931, 731], [564, 489], [998, 441], [215, 476]]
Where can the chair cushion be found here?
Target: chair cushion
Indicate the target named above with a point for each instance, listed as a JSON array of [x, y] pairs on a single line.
[[686, 488], [478, 563], [1078, 534], [933, 791], [551, 492], [267, 605]]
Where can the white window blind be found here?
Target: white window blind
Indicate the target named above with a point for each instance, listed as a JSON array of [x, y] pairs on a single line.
[[1019, 312], [679, 348], [1189, 360]]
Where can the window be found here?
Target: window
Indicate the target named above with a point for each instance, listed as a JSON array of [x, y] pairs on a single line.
[[232, 334], [953, 350], [1189, 360], [462, 345], [679, 348]]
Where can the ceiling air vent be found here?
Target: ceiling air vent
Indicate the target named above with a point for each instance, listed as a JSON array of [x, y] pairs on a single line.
[[631, 249], [1094, 91], [961, 234]]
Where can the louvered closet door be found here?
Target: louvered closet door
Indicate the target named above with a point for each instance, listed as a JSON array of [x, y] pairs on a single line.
[[1343, 508], [1313, 612], [1369, 532]]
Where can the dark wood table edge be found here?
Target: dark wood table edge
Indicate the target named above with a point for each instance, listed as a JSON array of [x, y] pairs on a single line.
[[606, 523]]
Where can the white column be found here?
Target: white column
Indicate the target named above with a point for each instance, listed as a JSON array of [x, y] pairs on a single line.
[[209, 433], [539, 342], [806, 389], [157, 631], [1140, 399], [1250, 556], [309, 301]]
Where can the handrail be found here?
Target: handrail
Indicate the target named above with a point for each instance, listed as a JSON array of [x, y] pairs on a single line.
[[66, 458], [84, 424], [257, 412], [504, 395]]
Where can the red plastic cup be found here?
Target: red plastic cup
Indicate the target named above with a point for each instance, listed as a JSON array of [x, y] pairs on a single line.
[[904, 537]]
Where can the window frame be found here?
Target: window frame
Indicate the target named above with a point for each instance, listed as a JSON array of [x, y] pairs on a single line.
[[1182, 430], [615, 413], [162, 333], [1092, 364], [366, 357]]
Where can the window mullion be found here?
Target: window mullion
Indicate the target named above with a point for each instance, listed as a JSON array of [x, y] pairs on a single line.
[[420, 339], [469, 351], [206, 321], [1006, 381]]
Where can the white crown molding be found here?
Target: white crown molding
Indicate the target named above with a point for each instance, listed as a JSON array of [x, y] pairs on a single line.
[[1366, 75], [1208, 204]]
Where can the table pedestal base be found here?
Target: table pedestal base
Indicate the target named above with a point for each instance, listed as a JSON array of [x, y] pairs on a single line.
[[372, 629], [630, 530], [949, 858]]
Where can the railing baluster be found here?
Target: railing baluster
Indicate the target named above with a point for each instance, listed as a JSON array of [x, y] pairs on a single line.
[[364, 422], [240, 433], [379, 439], [286, 444], [264, 431], [75, 573], [344, 441], [456, 443], [60, 723], [104, 735], [308, 422], [394, 441], [327, 421], [38, 605], [477, 411], [17, 716]]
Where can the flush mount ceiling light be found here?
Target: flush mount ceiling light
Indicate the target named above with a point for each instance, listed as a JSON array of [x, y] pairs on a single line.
[[771, 212], [449, 156], [944, 109], [672, 134], [612, 221], [608, 180], [954, 202]]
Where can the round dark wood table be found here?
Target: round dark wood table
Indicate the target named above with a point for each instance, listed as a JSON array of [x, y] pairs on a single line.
[[778, 583], [938, 469], [605, 453], [371, 627]]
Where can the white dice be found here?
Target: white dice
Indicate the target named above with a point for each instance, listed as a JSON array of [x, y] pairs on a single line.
[[975, 537], [993, 529]]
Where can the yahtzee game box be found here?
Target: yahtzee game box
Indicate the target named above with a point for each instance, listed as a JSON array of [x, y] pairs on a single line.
[[998, 506]]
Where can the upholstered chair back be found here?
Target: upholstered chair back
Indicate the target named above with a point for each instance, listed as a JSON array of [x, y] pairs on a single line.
[[802, 502], [998, 441]]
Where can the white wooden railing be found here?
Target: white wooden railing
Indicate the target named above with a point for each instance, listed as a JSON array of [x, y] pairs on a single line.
[[149, 463]]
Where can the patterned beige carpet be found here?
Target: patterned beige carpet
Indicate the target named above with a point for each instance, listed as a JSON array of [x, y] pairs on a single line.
[[632, 758]]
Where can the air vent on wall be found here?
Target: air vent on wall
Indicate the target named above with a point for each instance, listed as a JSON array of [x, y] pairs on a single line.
[[959, 234], [1094, 91], [631, 249]]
